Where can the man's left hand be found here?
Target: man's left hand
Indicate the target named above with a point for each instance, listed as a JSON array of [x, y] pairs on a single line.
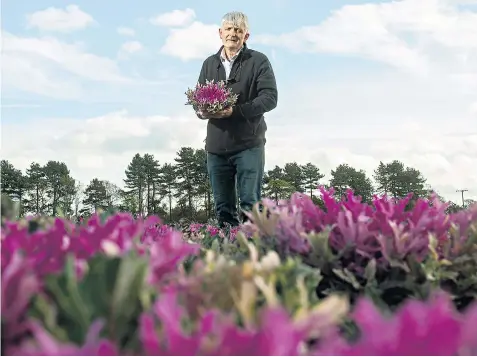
[[227, 112]]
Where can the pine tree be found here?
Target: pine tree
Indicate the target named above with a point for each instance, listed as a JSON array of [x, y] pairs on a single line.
[[37, 200], [13, 183], [95, 195], [346, 177], [135, 181], [311, 178], [276, 186], [152, 170], [185, 177], [59, 185], [293, 173], [397, 181]]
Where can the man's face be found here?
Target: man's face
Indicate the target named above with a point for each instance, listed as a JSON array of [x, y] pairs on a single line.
[[232, 36]]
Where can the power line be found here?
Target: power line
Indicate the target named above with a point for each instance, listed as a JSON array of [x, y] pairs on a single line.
[[462, 193]]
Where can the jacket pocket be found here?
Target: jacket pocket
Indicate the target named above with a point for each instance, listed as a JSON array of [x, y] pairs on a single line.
[[254, 124], [243, 130]]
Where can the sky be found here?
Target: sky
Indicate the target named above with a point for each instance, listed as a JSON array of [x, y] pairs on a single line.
[[91, 83]]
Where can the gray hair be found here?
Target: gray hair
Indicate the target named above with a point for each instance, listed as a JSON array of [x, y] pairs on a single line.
[[236, 18]]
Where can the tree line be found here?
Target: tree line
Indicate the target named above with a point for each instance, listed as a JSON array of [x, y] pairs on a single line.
[[181, 189]]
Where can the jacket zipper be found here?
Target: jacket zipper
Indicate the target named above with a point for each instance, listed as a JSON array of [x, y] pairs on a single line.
[[218, 80]]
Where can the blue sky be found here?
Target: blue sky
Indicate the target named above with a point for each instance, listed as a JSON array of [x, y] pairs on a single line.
[[93, 82]]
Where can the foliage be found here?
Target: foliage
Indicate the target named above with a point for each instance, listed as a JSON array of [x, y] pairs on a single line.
[[73, 280], [347, 278], [9, 208], [442, 332], [47, 189], [382, 250], [181, 189], [345, 177], [95, 195], [13, 182], [397, 181], [280, 183]]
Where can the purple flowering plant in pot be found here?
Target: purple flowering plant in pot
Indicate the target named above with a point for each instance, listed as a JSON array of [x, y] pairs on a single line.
[[211, 97]]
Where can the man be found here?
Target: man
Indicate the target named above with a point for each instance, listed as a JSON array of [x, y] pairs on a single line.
[[235, 142]]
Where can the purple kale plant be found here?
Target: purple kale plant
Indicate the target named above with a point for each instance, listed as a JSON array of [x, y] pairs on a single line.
[[211, 97], [167, 254], [162, 332], [385, 231], [117, 286], [49, 246], [43, 343], [384, 248], [217, 334], [432, 328], [19, 285], [95, 262], [205, 234]]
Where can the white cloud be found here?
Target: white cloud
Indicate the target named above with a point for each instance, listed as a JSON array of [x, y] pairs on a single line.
[[175, 18], [21, 73], [473, 109], [70, 57], [99, 146], [366, 117], [126, 31], [195, 41], [462, 2], [45, 66], [103, 146], [409, 34], [444, 159], [71, 18], [128, 49], [131, 46]]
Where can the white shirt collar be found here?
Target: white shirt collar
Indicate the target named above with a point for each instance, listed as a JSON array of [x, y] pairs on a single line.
[[224, 58]]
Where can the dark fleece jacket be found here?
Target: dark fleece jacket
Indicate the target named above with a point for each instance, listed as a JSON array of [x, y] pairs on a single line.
[[252, 78]]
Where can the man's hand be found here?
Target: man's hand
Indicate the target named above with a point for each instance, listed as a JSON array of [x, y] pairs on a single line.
[[227, 112]]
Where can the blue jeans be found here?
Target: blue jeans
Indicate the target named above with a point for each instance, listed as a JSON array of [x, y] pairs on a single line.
[[235, 175]]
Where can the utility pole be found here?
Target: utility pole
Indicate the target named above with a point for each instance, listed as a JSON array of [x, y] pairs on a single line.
[[462, 193]]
